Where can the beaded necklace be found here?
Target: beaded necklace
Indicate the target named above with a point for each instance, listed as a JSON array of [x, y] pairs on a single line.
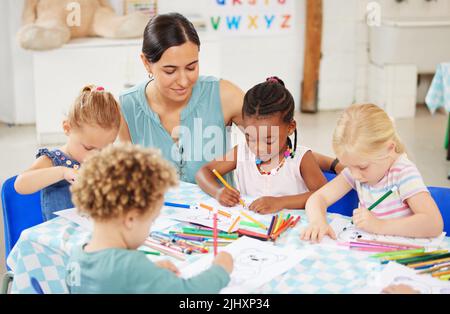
[[286, 154]]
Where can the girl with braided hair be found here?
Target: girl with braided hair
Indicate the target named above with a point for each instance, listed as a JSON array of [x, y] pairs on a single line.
[[269, 166]]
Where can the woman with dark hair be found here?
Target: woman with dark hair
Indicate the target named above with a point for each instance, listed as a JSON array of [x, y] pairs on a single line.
[[181, 113]]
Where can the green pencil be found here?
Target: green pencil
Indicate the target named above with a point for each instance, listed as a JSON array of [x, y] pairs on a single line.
[[151, 252], [385, 195], [249, 224], [394, 188]]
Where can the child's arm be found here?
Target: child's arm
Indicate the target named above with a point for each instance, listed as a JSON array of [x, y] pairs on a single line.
[[426, 221], [314, 179], [42, 174], [207, 181], [316, 208], [325, 163]]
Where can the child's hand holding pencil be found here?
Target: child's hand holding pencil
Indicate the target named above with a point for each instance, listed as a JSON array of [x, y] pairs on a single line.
[[365, 220], [228, 197]]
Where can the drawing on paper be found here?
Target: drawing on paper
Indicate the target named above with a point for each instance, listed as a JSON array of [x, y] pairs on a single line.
[[250, 263]]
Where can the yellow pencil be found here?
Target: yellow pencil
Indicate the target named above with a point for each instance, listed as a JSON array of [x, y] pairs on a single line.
[[225, 183], [234, 224], [254, 220]]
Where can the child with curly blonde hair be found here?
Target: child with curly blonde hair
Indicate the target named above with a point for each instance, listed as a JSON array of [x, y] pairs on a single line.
[[122, 189], [93, 122], [366, 142]]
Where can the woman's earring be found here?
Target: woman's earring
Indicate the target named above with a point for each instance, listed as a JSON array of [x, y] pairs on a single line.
[[151, 77]]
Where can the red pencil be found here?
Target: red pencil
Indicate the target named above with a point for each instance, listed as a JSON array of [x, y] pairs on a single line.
[[282, 229], [296, 221], [252, 234], [215, 233]]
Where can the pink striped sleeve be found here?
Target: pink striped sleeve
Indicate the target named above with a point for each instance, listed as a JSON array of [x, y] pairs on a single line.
[[410, 182], [348, 177]]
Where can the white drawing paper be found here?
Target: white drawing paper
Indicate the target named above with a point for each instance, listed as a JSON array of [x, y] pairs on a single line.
[[72, 214], [395, 274], [201, 216], [255, 263], [347, 232]]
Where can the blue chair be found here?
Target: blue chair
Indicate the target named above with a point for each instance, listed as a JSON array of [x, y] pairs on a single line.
[[441, 196], [346, 204], [19, 212]]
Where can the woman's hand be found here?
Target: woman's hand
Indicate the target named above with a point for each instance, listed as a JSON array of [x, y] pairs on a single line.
[[266, 205], [168, 265], [315, 231], [365, 220], [228, 197]]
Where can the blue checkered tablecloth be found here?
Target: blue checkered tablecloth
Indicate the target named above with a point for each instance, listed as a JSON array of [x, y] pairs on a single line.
[[439, 92], [42, 252]]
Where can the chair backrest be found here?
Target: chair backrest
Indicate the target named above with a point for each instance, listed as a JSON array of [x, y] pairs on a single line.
[[346, 204], [441, 196], [19, 212]]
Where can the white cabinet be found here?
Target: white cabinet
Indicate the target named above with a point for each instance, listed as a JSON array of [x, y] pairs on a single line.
[[116, 65]]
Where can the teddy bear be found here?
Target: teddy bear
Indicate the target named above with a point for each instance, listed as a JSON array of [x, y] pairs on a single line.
[[49, 24]]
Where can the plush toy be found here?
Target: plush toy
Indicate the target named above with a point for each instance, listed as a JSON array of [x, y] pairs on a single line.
[[49, 24]]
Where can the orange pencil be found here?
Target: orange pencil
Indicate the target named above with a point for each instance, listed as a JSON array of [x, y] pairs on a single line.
[[223, 213]]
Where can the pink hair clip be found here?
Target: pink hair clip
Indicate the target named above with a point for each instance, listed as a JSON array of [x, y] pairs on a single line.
[[272, 79], [100, 89]]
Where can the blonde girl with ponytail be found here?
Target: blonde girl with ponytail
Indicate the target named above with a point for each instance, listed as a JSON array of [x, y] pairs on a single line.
[[367, 144], [93, 122]]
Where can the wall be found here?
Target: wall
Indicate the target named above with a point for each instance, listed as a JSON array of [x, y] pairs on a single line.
[[6, 93], [247, 61], [17, 106], [345, 42]]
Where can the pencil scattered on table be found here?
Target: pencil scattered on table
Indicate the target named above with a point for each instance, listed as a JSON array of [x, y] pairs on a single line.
[[435, 263]]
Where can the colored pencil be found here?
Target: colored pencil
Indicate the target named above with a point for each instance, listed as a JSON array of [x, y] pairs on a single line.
[[434, 268], [215, 233], [442, 273], [282, 229], [166, 250], [171, 245], [432, 262], [259, 236], [396, 257], [400, 252], [210, 234], [420, 259], [234, 223], [445, 277], [385, 195], [187, 237], [206, 231], [150, 252], [368, 249], [394, 244], [210, 208], [382, 198], [253, 220], [169, 204], [249, 224], [225, 183], [271, 226], [296, 221], [274, 225]]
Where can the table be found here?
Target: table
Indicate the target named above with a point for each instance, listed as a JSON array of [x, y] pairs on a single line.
[[42, 251]]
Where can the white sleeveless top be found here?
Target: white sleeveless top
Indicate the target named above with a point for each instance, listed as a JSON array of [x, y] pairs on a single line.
[[286, 181]]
